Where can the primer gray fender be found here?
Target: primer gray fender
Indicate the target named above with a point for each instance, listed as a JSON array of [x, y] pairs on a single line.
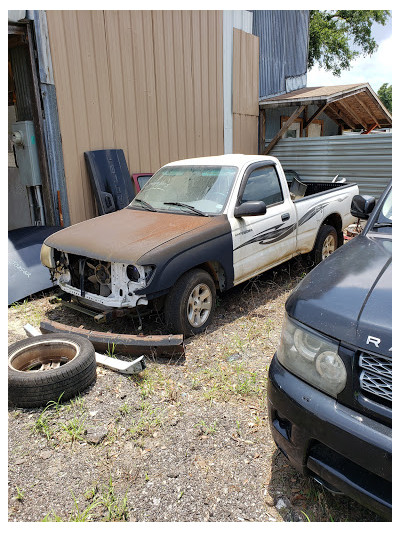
[[201, 245]]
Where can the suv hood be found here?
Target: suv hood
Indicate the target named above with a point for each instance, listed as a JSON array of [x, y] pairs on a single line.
[[349, 295], [124, 236]]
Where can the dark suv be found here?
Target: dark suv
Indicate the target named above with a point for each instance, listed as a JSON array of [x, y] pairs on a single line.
[[330, 381]]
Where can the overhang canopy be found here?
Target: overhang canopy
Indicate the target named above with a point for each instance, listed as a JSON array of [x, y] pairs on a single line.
[[356, 105]]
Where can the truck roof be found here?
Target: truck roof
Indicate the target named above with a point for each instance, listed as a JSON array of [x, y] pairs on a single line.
[[237, 160]]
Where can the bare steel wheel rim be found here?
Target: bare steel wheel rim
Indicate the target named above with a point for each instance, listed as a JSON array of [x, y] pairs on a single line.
[[45, 356], [328, 247], [199, 305]]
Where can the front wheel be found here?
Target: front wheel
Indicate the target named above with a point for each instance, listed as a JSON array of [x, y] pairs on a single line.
[[325, 244], [190, 305]]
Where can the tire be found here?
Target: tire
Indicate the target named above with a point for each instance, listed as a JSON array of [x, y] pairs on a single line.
[[190, 305], [325, 244], [71, 368]]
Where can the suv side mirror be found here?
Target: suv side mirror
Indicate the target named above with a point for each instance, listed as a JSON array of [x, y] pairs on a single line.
[[362, 206], [250, 209]]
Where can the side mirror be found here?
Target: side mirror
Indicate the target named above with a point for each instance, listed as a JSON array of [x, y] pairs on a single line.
[[362, 206], [250, 209]]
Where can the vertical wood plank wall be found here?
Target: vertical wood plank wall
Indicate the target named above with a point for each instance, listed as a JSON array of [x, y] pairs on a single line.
[[149, 82], [245, 92]]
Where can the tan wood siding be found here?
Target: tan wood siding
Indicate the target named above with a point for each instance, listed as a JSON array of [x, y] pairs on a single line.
[[149, 82], [245, 92]]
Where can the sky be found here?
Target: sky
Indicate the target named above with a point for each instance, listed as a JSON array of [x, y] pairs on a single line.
[[375, 69]]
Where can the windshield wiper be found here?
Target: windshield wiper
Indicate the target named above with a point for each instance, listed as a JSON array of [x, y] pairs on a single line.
[[197, 211], [145, 204]]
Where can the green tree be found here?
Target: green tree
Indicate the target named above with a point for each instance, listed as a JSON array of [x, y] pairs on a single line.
[[337, 37], [385, 94]]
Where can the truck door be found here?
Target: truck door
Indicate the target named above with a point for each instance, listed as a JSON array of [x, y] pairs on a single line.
[[259, 242]]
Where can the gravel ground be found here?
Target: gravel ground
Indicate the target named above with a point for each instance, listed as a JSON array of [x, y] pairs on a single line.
[[187, 440]]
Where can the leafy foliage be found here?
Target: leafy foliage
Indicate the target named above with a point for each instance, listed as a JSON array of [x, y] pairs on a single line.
[[385, 94], [338, 37]]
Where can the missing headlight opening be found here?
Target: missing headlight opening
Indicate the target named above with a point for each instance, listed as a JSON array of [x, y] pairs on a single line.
[[100, 281]]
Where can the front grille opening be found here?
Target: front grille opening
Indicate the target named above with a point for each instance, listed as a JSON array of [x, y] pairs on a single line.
[[96, 274], [375, 373]]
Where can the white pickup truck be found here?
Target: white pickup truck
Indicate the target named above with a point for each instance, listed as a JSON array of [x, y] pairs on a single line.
[[198, 226]]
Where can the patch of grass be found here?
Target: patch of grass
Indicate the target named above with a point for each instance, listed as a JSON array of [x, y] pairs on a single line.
[[149, 419], [109, 506], [210, 429], [110, 352], [74, 429]]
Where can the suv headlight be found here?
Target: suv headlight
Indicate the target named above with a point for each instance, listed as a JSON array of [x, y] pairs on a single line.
[[312, 357]]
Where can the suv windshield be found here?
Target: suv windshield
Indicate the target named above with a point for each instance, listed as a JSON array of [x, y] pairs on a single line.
[[204, 188], [383, 222]]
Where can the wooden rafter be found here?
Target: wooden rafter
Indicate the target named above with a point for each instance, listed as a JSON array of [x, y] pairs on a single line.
[[315, 115], [351, 113], [284, 128], [367, 110], [341, 113]]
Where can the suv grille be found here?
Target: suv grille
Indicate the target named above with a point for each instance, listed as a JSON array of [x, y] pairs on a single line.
[[376, 375]]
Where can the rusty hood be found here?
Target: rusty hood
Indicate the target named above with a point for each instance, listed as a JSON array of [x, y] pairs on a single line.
[[124, 236]]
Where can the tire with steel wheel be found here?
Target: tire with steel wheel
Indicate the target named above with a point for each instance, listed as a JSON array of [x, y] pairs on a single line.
[[190, 304], [42, 368], [325, 244]]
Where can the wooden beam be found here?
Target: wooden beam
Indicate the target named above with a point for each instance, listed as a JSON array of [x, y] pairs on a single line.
[[342, 116], [370, 129], [351, 113], [367, 110], [315, 115], [261, 131], [284, 128]]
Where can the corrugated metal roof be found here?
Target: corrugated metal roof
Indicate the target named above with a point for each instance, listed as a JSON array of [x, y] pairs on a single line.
[[283, 48], [362, 159]]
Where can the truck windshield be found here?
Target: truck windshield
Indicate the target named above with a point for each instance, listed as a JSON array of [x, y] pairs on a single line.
[[205, 188]]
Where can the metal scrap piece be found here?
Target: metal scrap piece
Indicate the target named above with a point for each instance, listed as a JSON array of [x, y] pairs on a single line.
[[123, 344]]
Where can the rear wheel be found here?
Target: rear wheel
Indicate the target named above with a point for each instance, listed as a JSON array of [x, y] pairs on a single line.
[[325, 244], [190, 305]]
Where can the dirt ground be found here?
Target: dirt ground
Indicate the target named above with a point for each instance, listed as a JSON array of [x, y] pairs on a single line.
[[187, 440]]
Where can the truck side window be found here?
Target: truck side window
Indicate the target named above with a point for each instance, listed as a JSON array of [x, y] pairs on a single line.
[[263, 184]]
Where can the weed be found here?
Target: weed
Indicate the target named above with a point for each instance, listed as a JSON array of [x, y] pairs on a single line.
[[207, 430], [116, 508], [110, 352], [20, 494], [148, 421], [308, 520], [125, 409], [74, 428]]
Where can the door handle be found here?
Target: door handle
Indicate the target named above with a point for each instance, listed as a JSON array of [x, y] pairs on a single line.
[[285, 216]]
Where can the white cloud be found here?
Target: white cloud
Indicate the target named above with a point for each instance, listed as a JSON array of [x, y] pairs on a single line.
[[375, 69]]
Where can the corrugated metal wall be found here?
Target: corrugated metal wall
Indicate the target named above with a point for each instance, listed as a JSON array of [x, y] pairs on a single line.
[[245, 92], [283, 49], [149, 82], [362, 159]]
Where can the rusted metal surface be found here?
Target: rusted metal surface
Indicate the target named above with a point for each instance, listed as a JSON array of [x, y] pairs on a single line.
[[123, 344], [125, 235]]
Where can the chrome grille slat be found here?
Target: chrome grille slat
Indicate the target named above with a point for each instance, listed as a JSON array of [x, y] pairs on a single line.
[[376, 375]]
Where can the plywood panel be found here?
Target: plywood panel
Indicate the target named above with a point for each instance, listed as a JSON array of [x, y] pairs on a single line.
[[245, 134], [245, 92], [149, 82]]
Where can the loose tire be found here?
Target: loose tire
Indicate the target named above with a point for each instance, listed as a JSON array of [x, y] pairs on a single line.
[[41, 369], [325, 244], [190, 304]]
